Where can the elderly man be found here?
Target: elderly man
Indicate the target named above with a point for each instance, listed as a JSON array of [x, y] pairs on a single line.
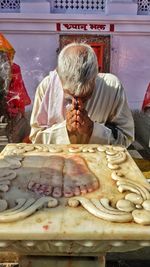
[[74, 104]]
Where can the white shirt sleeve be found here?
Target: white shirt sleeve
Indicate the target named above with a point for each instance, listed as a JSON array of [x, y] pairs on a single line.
[[35, 128], [101, 134], [118, 113]]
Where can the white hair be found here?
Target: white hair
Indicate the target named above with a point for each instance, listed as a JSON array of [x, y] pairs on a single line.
[[77, 68], [5, 73]]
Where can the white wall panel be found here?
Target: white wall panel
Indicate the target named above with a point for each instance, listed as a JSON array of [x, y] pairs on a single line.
[[130, 61], [36, 55]]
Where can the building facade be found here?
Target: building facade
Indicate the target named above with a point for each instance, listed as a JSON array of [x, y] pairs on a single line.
[[119, 32]]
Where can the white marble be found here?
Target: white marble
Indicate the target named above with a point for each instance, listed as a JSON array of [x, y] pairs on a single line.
[[67, 223], [64, 230]]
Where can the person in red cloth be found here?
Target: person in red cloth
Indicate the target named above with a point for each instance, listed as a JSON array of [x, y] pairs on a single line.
[[13, 93], [17, 97], [146, 102]]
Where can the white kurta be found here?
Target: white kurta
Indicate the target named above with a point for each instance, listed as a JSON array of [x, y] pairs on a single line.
[[108, 103]]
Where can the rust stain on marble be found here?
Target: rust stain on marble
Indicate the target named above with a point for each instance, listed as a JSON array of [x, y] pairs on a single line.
[[46, 227]]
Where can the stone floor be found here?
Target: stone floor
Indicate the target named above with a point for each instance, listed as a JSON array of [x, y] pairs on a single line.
[[138, 258], [137, 150], [127, 263]]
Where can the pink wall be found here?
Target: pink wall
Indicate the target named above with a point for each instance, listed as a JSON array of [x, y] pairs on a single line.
[[36, 55], [130, 61], [36, 39]]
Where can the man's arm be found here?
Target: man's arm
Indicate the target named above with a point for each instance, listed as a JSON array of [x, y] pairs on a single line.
[[119, 129]]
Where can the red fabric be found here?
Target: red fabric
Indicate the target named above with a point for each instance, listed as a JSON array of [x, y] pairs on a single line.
[[26, 140], [5, 46], [146, 102], [17, 97]]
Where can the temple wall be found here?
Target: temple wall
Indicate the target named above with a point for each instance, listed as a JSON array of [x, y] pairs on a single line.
[[36, 55], [130, 62], [35, 38]]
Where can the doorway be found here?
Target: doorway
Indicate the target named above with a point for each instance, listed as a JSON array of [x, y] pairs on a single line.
[[100, 44]]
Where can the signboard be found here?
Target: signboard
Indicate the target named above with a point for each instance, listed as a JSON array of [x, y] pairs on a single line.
[[92, 27]]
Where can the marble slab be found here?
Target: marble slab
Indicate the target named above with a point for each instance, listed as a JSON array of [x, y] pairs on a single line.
[[64, 226]]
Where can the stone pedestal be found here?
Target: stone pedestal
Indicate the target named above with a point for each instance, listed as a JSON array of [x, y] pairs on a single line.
[[118, 7], [42, 231], [38, 261], [37, 6]]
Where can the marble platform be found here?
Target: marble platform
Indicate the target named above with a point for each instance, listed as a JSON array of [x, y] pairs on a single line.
[[71, 226]]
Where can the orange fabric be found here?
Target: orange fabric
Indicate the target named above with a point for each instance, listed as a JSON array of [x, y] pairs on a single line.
[[6, 47]]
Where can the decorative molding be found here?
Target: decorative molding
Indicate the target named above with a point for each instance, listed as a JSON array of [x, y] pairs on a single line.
[[73, 247], [78, 7], [25, 208]]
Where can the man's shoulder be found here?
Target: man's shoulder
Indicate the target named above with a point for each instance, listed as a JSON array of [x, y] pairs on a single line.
[[109, 80], [45, 83], [108, 84], [52, 75], [108, 76]]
